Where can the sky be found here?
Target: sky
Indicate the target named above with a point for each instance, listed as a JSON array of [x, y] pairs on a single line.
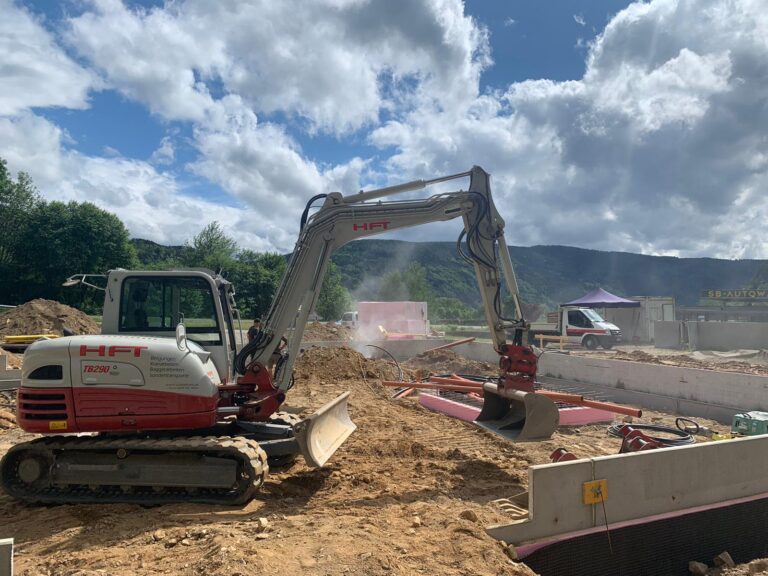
[[609, 125]]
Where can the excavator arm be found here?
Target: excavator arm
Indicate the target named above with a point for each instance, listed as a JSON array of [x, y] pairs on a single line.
[[511, 408], [342, 219]]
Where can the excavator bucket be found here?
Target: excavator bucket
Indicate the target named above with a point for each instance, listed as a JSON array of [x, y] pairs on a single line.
[[521, 417], [321, 434]]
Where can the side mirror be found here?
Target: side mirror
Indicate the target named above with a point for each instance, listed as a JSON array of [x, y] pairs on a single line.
[[181, 337]]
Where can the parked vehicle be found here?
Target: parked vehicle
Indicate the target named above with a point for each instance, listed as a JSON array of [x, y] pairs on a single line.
[[349, 319], [580, 326]]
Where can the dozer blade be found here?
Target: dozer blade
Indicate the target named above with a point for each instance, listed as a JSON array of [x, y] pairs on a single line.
[[518, 416], [321, 434]]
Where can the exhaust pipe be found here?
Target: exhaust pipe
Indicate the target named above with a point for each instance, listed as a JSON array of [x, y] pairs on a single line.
[[516, 415], [322, 433]]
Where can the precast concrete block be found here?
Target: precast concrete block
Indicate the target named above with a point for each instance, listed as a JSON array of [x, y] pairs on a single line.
[[6, 556], [555, 503]]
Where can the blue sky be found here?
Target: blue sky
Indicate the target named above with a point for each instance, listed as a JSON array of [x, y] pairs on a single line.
[[609, 125]]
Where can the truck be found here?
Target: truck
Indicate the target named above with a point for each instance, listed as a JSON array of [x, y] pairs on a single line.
[[163, 407], [581, 326]]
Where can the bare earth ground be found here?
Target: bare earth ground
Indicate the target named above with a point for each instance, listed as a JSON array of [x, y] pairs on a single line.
[[408, 493]]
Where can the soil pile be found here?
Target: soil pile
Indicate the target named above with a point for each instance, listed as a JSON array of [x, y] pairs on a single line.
[[11, 360], [318, 332], [684, 361], [45, 317], [449, 362], [409, 493]]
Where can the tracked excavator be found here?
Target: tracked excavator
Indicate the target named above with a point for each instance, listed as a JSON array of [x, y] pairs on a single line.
[[163, 407]]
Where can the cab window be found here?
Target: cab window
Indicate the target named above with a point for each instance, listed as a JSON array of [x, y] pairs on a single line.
[[576, 318], [157, 304]]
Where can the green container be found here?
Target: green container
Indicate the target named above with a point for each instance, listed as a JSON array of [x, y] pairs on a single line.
[[750, 423]]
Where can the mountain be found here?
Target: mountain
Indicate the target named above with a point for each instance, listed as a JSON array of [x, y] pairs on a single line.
[[151, 253], [546, 274]]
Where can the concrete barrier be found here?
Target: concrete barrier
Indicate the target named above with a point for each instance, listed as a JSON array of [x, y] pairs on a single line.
[[731, 335], [639, 486], [6, 556], [667, 334], [731, 390], [9, 377]]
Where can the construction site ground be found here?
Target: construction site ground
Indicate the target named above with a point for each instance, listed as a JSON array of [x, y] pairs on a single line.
[[408, 493]]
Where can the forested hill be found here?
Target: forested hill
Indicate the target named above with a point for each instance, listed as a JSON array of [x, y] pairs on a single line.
[[546, 274]]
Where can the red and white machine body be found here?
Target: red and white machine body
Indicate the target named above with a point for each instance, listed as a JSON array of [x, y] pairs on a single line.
[[116, 383]]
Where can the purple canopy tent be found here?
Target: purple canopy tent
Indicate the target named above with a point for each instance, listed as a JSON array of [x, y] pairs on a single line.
[[599, 298]]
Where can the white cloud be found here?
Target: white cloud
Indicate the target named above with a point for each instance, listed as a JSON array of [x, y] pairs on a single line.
[[35, 72], [165, 153], [151, 204], [322, 61], [659, 147], [579, 19], [655, 149]]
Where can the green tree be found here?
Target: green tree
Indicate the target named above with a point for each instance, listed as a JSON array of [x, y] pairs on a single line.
[[410, 284], [17, 200], [69, 238], [256, 277], [444, 308], [334, 299], [211, 248]]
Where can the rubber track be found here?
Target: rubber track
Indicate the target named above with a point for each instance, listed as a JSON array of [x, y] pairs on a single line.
[[284, 418], [253, 469]]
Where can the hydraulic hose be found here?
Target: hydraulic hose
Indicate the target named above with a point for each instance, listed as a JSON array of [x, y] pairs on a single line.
[[680, 437]]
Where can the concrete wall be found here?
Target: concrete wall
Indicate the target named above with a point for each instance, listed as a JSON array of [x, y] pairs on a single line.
[[667, 334], [6, 557], [640, 485], [714, 335], [731, 335], [691, 391], [9, 377]]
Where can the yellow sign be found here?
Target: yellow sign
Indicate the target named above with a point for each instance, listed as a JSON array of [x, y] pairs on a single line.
[[595, 492], [57, 425], [738, 294]]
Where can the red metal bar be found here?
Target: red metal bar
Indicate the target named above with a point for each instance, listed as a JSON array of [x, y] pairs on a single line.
[[431, 386], [611, 407], [456, 382], [451, 344], [562, 396]]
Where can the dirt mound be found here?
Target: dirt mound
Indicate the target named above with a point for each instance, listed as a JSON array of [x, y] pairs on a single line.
[[45, 317], [318, 332], [7, 419], [409, 493], [684, 361], [449, 362], [320, 365], [12, 360]]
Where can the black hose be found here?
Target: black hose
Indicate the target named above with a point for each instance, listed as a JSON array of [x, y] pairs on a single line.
[[305, 214], [680, 438], [684, 428]]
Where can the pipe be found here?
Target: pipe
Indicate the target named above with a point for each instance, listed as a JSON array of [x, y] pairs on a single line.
[[451, 344], [562, 396], [455, 381], [611, 407], [430, 386]]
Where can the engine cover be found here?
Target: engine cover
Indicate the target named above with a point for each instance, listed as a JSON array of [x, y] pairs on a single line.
[[109, 383]]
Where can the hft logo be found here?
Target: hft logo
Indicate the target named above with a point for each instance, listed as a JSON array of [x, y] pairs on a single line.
[[370, 226]]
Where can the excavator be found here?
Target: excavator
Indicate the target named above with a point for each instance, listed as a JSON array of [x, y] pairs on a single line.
[[162, 406]]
